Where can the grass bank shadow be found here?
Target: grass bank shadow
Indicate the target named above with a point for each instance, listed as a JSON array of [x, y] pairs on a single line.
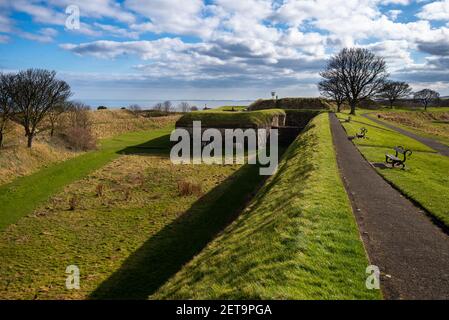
[[157, 146], [163, 254]]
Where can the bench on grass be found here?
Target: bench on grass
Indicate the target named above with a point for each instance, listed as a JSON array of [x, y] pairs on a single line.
[[395, 160], [362, 133]]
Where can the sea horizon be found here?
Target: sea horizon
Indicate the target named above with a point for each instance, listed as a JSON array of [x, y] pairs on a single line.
[[149, 103]]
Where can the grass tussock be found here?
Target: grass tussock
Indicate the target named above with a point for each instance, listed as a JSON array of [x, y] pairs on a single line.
[[296, 240], [187, 188]]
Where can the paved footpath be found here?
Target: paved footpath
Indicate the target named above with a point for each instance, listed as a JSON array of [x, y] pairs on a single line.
[[411, 252], [431, 143]]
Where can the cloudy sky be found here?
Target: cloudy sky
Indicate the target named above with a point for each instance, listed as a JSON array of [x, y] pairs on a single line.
[[219, 49]]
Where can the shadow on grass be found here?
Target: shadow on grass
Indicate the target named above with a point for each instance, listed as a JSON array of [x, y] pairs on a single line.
[[380, 165], [157, 146], [342, 120], [162, 255]]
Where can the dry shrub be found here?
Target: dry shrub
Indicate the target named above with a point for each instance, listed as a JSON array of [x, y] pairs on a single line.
[[187, 188], [80, 139], [78, 132], [73, 203], [99, 190], [127, 194]]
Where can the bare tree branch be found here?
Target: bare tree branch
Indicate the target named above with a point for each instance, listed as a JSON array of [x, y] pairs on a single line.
[[358, 72], [394, 90], [184, 106], [426, 97], [35, 93], [6, 103]]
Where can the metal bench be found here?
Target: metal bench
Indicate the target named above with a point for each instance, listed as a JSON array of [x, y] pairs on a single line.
[[362, 133], [395, 160]]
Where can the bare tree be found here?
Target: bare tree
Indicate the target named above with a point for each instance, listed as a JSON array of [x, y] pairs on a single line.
[[78, 115], [167, 106], [359, 72], [426, 97], [6, 103], [158, 107], [135, 109], [35, 93], [54, 116], [394, 90], [78, 133], [332, 89], [184, 106]]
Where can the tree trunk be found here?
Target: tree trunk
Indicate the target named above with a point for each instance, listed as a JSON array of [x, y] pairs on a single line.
[[52, 131], [1, 139], [352, 104], [425, 107], [30, 140], [338, 107]]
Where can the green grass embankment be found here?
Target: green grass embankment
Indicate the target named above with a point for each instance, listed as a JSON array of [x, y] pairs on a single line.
[[23, 195], [224, 119], [297, 239]]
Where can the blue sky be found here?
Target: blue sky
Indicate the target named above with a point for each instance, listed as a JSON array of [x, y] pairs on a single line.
[[219, 49]]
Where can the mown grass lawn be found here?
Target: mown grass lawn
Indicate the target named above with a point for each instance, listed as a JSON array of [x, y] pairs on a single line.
[[297, 239], [378, 135], [426, 178], [128, 240], [24, 194]]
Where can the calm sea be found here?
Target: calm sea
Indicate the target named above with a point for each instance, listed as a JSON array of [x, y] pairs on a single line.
[[147, 104]]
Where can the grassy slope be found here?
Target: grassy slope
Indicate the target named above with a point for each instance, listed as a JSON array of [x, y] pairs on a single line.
[[380, 136], [126, 242], [423, 123], [24, 194], [230, 108], [110, 123], [230, 119], [16, 160], [425, 181], [297, 240]]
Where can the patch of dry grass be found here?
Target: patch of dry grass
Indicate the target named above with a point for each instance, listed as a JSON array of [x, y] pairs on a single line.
[[435, 123], [108, 123], [17, 160], [297, 239], [139, 197]]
